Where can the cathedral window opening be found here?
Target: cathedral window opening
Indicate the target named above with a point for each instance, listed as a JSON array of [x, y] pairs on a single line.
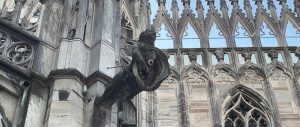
[[295, 59], [214, 59], [199, 60], [244, 111], [216, 38], [242, 38], [267, 37], [171, 60], [292, 35], [186, 60], [164, 39], [242, 60], [190, 38]]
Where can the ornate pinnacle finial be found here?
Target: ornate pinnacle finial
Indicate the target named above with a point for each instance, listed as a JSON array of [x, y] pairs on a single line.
[[273, 54], [210, 2], [199, 5], [174, 5], [282, 2], [247, 54], [247, 2], [186, 3], [161, 4], [234, 2], [220, 55], [193, 56], [258, 2], [223, 4]]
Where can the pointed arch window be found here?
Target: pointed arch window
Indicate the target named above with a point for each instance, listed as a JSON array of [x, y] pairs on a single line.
[[216, 38], [242, 38], [163, 38], [267, 37], [292, 35], [190, 38], [245, 111]]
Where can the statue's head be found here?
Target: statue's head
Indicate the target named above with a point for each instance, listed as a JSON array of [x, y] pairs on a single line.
[[148, 36]]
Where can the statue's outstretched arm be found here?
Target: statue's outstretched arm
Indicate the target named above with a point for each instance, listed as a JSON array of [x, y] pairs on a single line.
[[137, 56]]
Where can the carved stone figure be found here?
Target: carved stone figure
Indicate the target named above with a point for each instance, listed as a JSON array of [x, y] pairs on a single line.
[[73, 25], [149, 68]]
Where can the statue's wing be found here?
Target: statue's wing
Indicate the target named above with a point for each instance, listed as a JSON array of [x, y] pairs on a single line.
[[159, 73]]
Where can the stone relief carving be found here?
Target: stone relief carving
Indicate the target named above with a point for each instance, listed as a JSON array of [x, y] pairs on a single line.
[[73, 25], [220, 55], [148, 69], [20, 53], [221, 76], [251, 75], [279, 74], [194, 77], [15, 50]]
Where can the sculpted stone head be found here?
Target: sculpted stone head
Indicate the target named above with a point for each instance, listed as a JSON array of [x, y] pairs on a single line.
[[148, 37]]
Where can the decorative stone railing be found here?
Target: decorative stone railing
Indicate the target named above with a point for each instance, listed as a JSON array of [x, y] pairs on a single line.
[[17, 47], [261, 56], [25, 14]]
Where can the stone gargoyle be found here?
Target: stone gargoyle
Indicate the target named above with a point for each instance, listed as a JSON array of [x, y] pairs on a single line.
[[149, 67]]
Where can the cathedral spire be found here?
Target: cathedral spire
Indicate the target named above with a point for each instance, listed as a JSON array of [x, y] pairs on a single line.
[[186, 4], [272, 9], [248, 9], [161, 4], [224, 9], [200, 9], [175, 10], [211, 3]]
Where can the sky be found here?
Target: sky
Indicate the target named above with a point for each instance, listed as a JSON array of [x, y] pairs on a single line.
[[190, 36]]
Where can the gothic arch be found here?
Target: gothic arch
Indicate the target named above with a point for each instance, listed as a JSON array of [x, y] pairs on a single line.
[[239, 17], [279, 66], [196, 83], [245, 107], [162, 17], [214, 17], [195, 67], [127, 14], [262, 16], [259, 71], [226, 69], [189, 17], [286, 15]]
